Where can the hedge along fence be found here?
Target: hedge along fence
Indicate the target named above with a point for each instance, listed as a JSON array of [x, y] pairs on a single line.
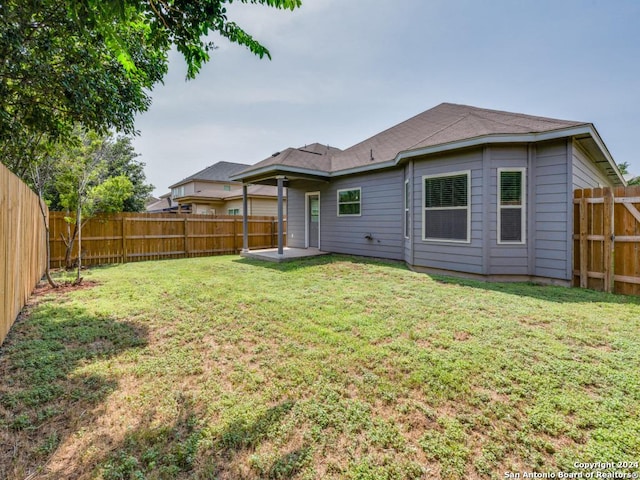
[[133, 237], [22, 247]]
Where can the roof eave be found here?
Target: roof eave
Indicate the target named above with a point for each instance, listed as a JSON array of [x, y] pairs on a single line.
[[495, 138], [197, 198], [260, 196], [270, 171], [606, 154], [585, 129]]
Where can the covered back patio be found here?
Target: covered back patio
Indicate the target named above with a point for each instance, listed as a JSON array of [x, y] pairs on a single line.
[[279, 177]]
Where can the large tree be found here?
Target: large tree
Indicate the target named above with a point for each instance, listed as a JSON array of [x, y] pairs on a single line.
[[93, 62], [118, 159], [122, 161], [85, 188]]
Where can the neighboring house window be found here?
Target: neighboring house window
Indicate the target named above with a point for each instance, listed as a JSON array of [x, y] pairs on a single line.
[[227, 188], [349, 202], [233, 211], [447, 213], [511, 205], [407, 206], [177, 192]]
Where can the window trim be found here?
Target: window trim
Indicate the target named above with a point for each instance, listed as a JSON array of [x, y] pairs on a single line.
[[229, 210], [468, 207], [359, 202], [522, 207], [177, 192], [407, 210]]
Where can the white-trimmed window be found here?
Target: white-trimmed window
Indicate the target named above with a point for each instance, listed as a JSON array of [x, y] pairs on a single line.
[[407, 209], [512, 205], [447, 207], [349, 202], [177, 192], [233, 211]]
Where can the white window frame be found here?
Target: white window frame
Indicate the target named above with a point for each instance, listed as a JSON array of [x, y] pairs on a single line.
[[177, 192], [522, 207], [359, 202], [468, 207], [231, 210], [407, 209]]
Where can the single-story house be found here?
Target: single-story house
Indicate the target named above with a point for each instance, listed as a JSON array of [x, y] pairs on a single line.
[[211, 191], [454, 190]]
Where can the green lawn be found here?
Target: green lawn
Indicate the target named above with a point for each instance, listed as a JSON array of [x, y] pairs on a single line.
[[332, 367]]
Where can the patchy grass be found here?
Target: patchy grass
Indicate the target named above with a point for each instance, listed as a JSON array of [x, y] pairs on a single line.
[[332, 367]]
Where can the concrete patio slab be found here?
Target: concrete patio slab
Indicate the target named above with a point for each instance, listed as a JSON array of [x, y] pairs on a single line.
[[289, 254]]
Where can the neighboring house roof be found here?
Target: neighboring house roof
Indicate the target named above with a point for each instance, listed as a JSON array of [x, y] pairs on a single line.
[[444, 127], [162, 204], [221, 196], [218, 172], [151, 200]]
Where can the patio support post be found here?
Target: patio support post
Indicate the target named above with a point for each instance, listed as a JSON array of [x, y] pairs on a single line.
[[245, 220], [280, 179]]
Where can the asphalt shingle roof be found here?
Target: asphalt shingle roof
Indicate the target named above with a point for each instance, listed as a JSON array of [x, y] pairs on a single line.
[[443, 124], [219, 172], [314, 156]]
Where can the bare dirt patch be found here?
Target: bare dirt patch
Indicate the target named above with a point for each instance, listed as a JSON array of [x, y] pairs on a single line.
[[43, 288]]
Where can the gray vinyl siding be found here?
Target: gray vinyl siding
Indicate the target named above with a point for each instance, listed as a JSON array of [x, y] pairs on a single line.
[[461, 257], [585, 174], [552, 215], [546, 252], [381, 214], [505, 258], [296, 211]]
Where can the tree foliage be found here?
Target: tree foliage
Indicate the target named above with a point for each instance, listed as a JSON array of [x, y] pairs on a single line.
[[84, 187], [54, 74], [121, 161], [118, 159], [93, 62], [624, 169]]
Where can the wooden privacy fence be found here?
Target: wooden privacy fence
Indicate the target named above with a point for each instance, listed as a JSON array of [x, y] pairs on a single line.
[[133, 237], [22, 246], [607, 239]]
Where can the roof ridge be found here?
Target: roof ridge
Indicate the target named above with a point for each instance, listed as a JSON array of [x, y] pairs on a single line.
[[514, 114], [488, 119], [438, 131]]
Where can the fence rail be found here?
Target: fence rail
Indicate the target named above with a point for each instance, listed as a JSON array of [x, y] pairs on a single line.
[[22, 246], [607, 239], [131, 237]]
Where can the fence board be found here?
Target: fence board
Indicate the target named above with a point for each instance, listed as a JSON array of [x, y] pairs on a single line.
[[126, 237], [22, 247], [607, 239]]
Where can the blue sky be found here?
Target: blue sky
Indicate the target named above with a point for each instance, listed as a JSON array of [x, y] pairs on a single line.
[[343, 70]]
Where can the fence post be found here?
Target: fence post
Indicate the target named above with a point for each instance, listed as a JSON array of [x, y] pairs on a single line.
[[235, 235], [124, 238], [186, 237], [584, 216], [609, 241]]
